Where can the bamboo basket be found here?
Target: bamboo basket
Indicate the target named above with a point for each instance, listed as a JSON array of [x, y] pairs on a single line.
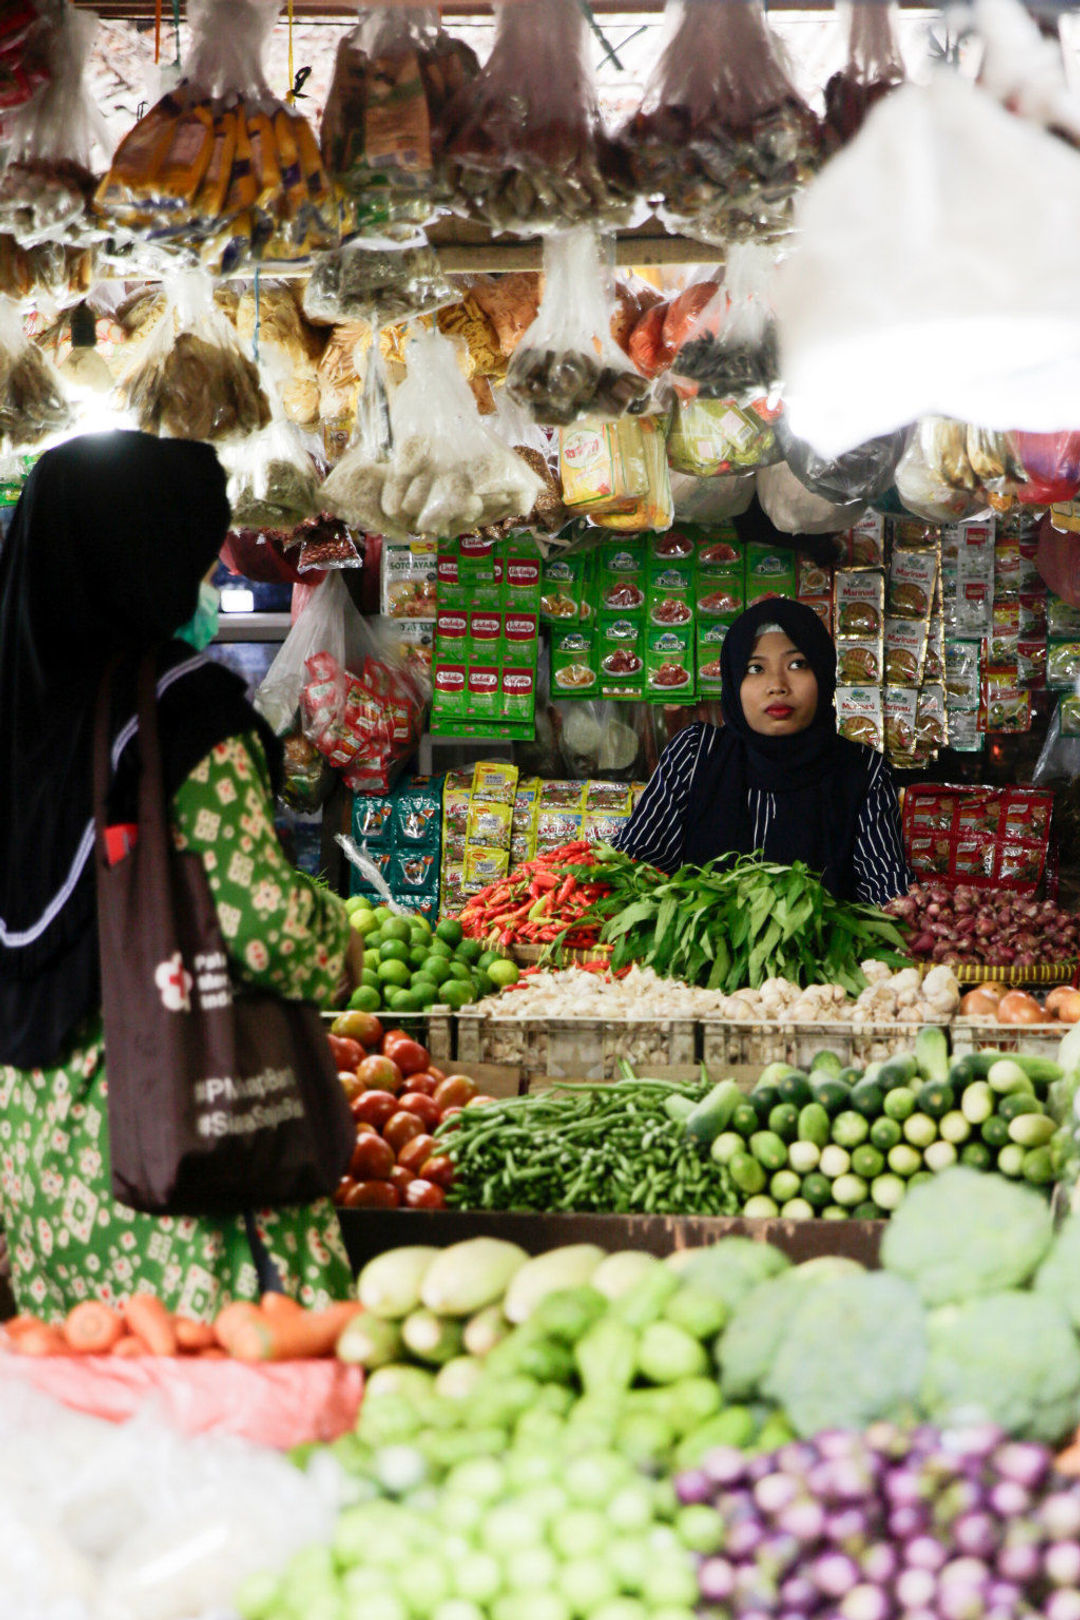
[[562, 956], [1047, 973]]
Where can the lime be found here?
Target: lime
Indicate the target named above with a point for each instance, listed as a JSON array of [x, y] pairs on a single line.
[[420, 925], [364, 923], [393, 993], [456, 994], [485, 986], [503, 972], [427, 992], [458, 970], [392, 950], [450, 930], [373, 939], [487, 959], [408, 1001], [369, 976], [437, 968], [439, 947], [383, 913], [365, 998], [418, 955], [395, 973], [357, 902], [470, 950], [396, 928]]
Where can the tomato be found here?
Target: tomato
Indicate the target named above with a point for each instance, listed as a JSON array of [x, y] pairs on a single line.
[[400, 1178], [347, 1054], [351, 1084], [481, 1097], [373, 1195], [409, 1055], [374, 1108], [373, 1159], [420, 1194], [401, 1128], [452, 1115], [438, 1169], [425, 1082], [455, 1091], [425, 1108], [358, 1026], [343, 1187], [413, 1154], [436, 1074], [380, 1074]]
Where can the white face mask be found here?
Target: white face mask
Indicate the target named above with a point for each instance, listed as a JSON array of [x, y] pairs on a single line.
[[202, 627]]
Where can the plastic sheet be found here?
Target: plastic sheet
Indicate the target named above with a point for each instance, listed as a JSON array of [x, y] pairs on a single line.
[[862, 474], [794, 509]]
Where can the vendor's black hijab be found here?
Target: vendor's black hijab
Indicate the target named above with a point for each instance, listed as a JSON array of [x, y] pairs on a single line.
[[818, 779], [109, 541]]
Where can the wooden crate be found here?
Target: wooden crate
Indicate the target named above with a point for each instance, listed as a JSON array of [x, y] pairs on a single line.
[[728, 1048], [575, 1048], [435, 1030]]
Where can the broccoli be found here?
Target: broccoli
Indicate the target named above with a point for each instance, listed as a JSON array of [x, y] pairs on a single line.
[[731, 1268], [854, 1352], [966, 1233], [1010, 1359], [756, 1331], [1059, 1275]]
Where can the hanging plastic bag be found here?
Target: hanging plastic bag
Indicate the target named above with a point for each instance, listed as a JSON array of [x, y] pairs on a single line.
[[875, 335], [446, 474], [722, 139], [654, 509], [794, 509], [219, 168], [728, 347], [381, 285], [874, 67], [568, 365], [273, 482], [194, 381], [394, 75], [710, 500], [511, 423], [354, 487], [319, 629], [1051, 464], [934, 478], [863, 474], [522, 147], [32, 400]]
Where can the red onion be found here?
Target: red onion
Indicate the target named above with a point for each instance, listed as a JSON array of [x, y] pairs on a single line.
[[834, 1574], [916, 1588], [1062, 1605], [716, 1580], [1062, 1563], [1025, 1462]]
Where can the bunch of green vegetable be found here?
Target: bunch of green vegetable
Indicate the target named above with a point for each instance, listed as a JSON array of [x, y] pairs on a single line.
[[837, 1142], [729, 926], [613, 1148]]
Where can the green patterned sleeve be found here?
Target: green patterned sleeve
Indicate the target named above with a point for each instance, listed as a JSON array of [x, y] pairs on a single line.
[[282, 931]]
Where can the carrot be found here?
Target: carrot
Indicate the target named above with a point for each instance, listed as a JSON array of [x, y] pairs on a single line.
[[194, 1337], [92, 1328], [147, 1316], [17, 1325], [277, 1306], [40, 1341], [130, 1345], [229, 1321], [305, 1335]]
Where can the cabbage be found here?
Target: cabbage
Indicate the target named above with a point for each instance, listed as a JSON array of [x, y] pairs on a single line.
[[1011, 1359], [966, 1233]]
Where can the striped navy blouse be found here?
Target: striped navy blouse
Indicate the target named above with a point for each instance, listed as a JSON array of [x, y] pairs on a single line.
[[655, 831]]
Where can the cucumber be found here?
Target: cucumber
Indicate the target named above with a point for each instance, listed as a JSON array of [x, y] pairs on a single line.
[[797, 1209], [868, 1099], [977, 1102], [794, 1087], [833, 1095], [849, 1129], [1040, 1071], [932, 1053], [770, 1075], [884, 1134], [904, 1160], [834, 1212], [744, 1119], [963, 1070], [849, 1190], [747, 1174], [817, 1190], [995, 1132], [898, 1071], [712, 1115], [977, 1156], [835, 1161], [867, 1162], [761, 1208], [1007, 1076], [825, 1062], [724, 1149], [936, 1099], [888, 1192], [1031, 1130], [940, 1156], [851, 1075], [784, 1121], [803, 1157], [769, 1150], [866, 1211], [873, 1070], [814, 1125], [920, 1177], [900, 1104], [784, 1185], [1017, 1104], [954, 1127], [920, 1130], [763, 1102], [1010, 1161], [1038, 1167]]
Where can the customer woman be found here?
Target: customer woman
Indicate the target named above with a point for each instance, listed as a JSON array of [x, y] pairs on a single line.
[[776, 777], [103, 560]]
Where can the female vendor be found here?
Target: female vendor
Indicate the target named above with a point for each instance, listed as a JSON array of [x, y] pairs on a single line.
[[776, 777]]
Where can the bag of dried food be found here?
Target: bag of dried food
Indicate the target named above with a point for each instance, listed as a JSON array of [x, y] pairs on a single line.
[[722, 139], [934, 478], [274, 475], [522, 147], [353, 488], [794, 509], [193, 381], [381, 285], [568, 365], [654, 509], [393, 77], [446, 473], [32, 400], [512, 424], [874, 67], [862, 474], [1051, 463]]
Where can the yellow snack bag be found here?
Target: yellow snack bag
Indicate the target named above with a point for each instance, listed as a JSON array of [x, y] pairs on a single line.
[[264, 158], [484, 866], [138, 157], [319, 189], [293, 188], [494, 783], [603, 465], [210, 200], [188, 158], [656, 508], [243, 186], [488, 826]]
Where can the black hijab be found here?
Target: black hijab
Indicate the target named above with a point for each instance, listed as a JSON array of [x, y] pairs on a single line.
[[818, 779], [103, 559]]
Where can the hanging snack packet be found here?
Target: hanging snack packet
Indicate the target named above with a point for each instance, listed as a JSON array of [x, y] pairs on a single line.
[[381, 285], [354, 487], [194, 381], [874, 67], [393, 78], [934, 478], [568, 365], [722, 139], [522, 147], [32, 401], [273, 482]]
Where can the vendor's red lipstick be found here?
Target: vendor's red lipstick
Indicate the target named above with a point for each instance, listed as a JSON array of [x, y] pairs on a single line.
[[780, 711]]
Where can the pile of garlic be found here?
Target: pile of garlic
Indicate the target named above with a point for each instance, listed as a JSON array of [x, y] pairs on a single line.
[[904, 997]]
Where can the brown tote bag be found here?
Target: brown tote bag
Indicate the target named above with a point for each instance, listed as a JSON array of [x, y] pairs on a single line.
[[221, 1100]]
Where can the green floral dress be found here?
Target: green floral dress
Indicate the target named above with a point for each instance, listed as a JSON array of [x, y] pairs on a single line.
[[69, 1240]]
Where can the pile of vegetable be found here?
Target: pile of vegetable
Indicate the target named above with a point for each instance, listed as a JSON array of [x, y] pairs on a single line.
[[837, 1142], [889, 1525], [276, 1329], [540, 902], [994, 1002], [409, 967], [730, 926], [613, 1148], [996, 927]]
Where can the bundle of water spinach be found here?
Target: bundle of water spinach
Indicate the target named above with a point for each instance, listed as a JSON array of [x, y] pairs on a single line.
[[730, 925]]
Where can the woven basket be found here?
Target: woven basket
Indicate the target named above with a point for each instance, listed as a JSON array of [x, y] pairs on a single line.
[[1047, 973], [563, 956]]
